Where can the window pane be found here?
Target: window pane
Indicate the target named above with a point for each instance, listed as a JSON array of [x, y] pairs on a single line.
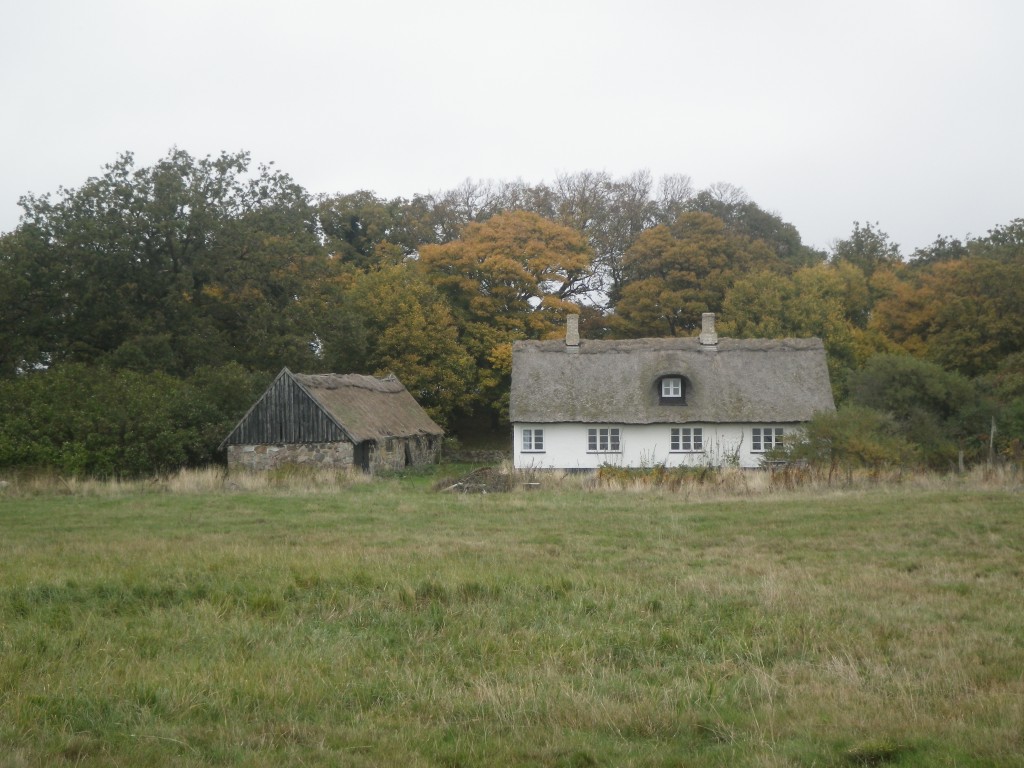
[[614, 446], [533, 439], [698, 439], [674, 440], [755, 443]]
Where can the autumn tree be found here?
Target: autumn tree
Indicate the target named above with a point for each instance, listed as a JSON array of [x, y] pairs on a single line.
[[409, 330], [610, 212], [514, 276], [829, 301], [963, 314]]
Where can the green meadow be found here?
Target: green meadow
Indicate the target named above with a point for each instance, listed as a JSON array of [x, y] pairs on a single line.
[[384, 623]]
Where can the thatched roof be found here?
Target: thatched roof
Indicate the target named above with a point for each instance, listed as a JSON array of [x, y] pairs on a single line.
[[616, 382], [369, 408], [328, 407]]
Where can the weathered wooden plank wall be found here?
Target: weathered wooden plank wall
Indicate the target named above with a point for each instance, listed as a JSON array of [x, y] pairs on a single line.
[[285, 414]]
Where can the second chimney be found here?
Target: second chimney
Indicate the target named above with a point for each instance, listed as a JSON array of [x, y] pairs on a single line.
[[708, 336], [572, 331]]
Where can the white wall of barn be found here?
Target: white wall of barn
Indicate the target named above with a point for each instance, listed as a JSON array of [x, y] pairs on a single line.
[[642, 445]]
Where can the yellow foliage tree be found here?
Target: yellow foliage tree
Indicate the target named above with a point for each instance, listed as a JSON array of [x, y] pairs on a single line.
[[410, 331], [514, 276]]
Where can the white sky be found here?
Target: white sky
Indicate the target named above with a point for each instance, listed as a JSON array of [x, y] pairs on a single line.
[[905, 113]]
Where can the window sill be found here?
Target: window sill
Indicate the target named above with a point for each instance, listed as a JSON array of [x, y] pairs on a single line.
[[699, 450], [533, 451]]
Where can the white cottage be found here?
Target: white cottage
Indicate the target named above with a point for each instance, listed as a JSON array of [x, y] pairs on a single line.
[[580, 404]]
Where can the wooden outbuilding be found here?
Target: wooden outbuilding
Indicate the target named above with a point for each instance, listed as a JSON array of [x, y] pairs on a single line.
[[334, 420]]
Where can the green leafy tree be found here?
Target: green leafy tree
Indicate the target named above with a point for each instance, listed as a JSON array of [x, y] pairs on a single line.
[[96, 421], [867, 248], [363, 230], [1005, 387], [853, 437], [184, 263], [744, 217], [943, 249], [674, 274], [939, 411], [1004, 243]]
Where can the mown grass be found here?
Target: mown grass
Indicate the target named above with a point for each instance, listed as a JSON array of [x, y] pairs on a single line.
[[382, 623]]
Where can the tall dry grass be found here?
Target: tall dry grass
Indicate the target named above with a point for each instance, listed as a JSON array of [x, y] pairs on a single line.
[[208, 480], [730, 482], [693, 485]]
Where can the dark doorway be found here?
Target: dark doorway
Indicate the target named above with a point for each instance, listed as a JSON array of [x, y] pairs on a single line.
[[363, 454]]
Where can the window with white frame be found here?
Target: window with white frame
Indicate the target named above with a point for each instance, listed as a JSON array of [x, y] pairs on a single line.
[[672, 390], [765, 438], [686, 439], [672, 387], [603, 440], [533, 440]]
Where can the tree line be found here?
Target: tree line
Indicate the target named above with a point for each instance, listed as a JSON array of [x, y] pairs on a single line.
[[142, 312]]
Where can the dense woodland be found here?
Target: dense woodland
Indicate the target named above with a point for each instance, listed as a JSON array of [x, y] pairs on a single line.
[[142, 312]]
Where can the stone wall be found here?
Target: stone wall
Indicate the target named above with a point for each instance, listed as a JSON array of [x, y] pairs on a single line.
[[393, 453], [263, 457], [399, 452]]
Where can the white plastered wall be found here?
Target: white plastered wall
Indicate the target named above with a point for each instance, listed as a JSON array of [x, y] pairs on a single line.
[[643, 445]]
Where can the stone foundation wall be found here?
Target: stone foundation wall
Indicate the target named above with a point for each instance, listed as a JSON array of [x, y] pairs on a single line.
[[393, 453], [263, 457]]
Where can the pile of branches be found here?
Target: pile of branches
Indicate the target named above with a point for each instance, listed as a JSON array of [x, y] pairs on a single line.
[[481, 480]]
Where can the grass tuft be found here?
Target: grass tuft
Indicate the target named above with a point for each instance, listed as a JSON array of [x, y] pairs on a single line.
[[876, 753]]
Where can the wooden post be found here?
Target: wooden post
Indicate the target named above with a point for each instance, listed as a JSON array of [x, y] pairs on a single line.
[[992, 444]]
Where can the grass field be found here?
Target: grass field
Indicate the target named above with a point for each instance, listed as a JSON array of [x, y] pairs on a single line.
[[384, 624]]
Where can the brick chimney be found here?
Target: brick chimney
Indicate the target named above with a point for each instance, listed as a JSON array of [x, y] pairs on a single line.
[[572, 333], [708, 336]]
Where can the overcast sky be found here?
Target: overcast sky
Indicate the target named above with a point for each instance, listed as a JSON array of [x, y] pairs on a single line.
[[909, 114]]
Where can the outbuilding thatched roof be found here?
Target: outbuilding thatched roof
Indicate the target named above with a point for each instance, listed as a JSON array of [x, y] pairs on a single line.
[[617, 382], [329, 407], [369, 408]]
